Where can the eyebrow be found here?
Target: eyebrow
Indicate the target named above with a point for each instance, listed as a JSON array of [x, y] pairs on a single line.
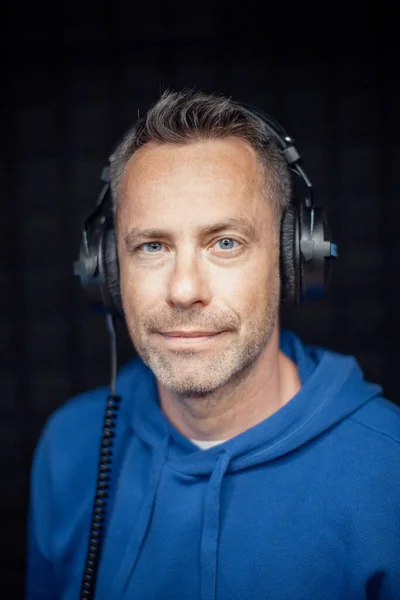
[[241, 224]]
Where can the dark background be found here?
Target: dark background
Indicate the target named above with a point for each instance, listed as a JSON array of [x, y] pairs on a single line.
[[74, 78]]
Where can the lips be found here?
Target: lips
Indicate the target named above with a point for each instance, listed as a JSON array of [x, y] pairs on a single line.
[[185, 339], [190, 334]]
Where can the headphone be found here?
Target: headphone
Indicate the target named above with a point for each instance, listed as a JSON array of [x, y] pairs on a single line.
[[306, 249]]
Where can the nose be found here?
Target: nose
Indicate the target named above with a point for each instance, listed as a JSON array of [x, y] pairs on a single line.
[[188, 283]]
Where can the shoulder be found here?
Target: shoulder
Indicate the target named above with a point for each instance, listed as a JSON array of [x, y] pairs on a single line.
[[379, 421], [70, 438], [371, 458], [78, 413], [372, 453], [80, 419]]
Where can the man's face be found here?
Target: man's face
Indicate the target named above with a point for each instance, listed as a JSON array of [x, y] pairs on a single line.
[[199, 261]]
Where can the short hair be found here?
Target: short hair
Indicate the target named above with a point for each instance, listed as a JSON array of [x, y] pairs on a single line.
[[189, 115]]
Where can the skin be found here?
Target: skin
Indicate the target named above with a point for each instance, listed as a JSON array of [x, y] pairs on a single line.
[[185, 277]]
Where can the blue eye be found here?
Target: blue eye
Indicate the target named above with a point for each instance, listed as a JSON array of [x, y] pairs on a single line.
[[152, 247], [226, 244]]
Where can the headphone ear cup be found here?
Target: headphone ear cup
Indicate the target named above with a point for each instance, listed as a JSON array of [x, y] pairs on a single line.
[[290, 266], [111, 286]]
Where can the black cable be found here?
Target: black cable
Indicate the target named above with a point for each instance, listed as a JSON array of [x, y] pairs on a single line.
[[98, 523], [110, 322]]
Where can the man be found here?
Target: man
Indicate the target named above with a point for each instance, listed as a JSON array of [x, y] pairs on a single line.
[[247, 465]]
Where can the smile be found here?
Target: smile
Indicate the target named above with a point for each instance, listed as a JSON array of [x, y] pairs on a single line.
[[185, 339]]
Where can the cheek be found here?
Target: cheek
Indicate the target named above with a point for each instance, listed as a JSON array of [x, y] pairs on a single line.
[[141, 290], [246, 289]]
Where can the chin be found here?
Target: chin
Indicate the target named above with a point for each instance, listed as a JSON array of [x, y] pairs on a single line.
[[193, 375], [191, 387]]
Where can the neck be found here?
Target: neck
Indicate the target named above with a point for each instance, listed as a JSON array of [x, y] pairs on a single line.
[[259, 392]]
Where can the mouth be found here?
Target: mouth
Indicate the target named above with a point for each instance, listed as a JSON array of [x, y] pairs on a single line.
[[193, 333], [191, 338]]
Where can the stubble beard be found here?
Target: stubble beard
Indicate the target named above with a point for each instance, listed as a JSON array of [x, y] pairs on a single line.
[[200, 373]]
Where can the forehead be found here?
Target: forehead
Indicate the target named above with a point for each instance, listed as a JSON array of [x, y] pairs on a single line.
[[208, 178]]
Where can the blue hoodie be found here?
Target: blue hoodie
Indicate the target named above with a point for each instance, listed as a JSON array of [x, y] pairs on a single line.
[[305, 505]]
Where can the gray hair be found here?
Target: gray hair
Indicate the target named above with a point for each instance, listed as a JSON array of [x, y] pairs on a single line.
[[190, 115]]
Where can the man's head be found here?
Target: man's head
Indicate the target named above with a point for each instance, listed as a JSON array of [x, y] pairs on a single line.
[[199, 187]]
